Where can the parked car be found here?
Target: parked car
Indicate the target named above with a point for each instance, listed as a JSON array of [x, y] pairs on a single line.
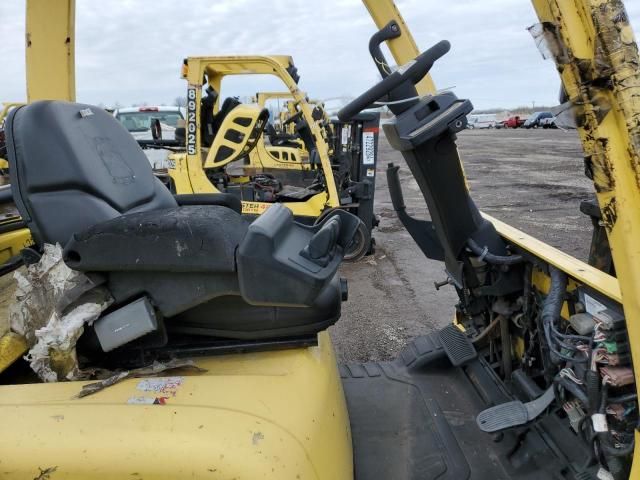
[[138, 120], [514, 122], [549, 122], [534, 120], [487, 120]]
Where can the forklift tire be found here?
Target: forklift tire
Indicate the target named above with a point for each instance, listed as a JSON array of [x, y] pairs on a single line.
[[360, 245]]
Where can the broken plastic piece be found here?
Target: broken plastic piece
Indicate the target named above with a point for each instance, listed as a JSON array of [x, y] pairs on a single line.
[[45, 287], [548, 42], [155, 369], [53, 357], [51, 307]]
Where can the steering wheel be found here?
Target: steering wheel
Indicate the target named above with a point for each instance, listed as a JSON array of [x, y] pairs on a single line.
[[293, 118], [412, 71], [156, 129]]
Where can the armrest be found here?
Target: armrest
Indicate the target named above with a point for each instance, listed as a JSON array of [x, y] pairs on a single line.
[[182, 239], [223, 199], [284, 263]]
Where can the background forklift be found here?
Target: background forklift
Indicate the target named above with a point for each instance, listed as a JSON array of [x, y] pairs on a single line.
[[280, 114], [535, 379], [224, 156]]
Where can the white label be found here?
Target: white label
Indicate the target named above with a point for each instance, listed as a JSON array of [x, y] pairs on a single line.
[[370, 172], [346, 133], [191, 121], [604, 474], [592, 306], [369, 148], [141, 401], [160, 385], [599, 421]]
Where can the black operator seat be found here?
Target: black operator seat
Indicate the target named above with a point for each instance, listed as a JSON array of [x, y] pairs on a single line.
[[210, 122], [229, 104], [80, 179]]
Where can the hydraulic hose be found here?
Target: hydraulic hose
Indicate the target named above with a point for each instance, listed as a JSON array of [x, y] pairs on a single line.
[[505, 339], [555, 298], [485, 254], [551, 311]]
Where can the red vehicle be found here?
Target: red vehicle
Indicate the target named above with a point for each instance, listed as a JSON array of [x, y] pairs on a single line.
[[514, 122]]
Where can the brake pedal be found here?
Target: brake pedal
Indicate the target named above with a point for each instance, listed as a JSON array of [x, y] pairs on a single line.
[[456, 345], [513, 414]]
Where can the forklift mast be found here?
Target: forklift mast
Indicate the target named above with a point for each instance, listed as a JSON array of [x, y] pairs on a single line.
[[50, 50]]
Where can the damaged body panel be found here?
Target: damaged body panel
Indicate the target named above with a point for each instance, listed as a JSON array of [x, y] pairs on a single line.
[[601, 77], [187, 424]]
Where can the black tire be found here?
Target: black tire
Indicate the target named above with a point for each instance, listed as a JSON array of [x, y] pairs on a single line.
[[360, 245]]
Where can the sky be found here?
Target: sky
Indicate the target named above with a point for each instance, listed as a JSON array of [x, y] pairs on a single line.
[[130, 51]]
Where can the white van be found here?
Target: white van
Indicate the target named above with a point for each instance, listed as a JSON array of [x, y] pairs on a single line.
[[482, 120]]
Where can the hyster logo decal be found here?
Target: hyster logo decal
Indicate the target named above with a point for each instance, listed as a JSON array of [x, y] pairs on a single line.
[[255, 208], [191, 121]]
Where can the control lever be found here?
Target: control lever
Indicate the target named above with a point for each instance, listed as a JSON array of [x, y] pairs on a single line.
[[407, 90], [422, 231], [389, 31]]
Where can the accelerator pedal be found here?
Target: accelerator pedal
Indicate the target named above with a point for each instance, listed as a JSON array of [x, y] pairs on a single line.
[[456, 345], [513, 414]]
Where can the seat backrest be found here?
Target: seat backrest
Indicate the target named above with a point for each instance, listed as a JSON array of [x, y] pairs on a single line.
[[73, 166], [238, 135], [229, 104]]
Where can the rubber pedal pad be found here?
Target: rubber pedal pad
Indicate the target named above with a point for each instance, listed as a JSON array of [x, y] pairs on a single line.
[[456, 345], [513, 414]]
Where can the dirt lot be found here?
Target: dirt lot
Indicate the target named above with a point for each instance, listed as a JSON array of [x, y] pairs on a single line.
[[532, 179]]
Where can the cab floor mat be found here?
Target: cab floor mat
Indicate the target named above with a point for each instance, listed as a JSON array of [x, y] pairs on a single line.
[[420, 423]]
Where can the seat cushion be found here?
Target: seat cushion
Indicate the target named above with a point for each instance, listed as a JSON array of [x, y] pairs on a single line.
[[231, 317], [73, 166], [198, 238]]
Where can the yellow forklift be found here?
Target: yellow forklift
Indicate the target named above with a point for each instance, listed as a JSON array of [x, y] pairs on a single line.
[[534, 380], [276, 130], [225, 150]]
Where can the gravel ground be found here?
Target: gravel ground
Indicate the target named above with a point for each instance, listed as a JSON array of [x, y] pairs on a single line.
[[532, 179]]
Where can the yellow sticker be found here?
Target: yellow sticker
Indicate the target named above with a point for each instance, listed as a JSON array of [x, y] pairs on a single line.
[[254, 208]]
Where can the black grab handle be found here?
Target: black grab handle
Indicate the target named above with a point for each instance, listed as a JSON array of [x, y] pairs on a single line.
[[389, 31], [413, 71]]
